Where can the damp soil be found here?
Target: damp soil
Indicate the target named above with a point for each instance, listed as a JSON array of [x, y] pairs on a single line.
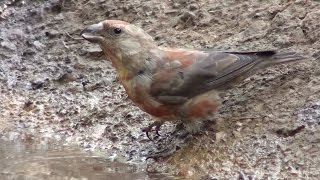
[[54, 85]]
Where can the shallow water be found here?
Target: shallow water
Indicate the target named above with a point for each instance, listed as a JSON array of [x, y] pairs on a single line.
[[30, 160]]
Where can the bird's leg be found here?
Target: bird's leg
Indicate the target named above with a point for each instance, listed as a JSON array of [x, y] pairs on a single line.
[[156, 124]]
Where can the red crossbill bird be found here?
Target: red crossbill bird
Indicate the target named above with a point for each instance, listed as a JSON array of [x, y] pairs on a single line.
[[171, 83]]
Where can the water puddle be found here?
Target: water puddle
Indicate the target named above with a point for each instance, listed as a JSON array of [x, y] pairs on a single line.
[[29, 160]]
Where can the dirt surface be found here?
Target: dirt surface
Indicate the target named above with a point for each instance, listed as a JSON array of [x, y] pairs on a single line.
[[55, 86]]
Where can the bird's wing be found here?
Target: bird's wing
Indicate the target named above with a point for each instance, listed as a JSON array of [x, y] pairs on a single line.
[[215, 69]]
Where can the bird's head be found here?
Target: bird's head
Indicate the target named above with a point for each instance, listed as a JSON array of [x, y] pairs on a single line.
[[118, 39]]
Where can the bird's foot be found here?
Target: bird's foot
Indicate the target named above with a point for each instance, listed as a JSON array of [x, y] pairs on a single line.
[[156, 124]]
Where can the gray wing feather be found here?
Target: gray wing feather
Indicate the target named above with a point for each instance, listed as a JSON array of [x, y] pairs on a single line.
[[212, 72]]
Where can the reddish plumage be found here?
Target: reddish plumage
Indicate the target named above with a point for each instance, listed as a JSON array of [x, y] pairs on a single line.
[[182, 55], [175, 84]]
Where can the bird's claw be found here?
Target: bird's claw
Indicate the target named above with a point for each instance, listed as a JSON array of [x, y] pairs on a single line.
[[148, 129]]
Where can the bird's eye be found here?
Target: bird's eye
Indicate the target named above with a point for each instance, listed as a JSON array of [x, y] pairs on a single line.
[[117, 30]]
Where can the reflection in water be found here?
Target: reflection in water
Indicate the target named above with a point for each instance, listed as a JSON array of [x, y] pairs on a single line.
[[24, 160]]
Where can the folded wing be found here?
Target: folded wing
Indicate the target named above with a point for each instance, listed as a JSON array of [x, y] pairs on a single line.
[[216, 70]]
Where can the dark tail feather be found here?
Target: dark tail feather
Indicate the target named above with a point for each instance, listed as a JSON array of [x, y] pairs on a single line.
[[273, 57], [279, 58], [286, 57], [266, 60]]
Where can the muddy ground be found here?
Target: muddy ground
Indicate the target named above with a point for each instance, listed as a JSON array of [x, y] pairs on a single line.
[[55, 86]]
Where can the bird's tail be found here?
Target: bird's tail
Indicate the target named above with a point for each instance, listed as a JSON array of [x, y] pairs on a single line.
[[273, 57], [261, 60], [286, 57], [278, 58]]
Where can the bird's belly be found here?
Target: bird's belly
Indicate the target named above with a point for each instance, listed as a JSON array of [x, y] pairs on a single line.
[[162, 111], [138, 94], [198, 107], [201, 106]]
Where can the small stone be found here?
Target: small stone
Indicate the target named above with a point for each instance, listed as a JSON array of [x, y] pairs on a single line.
[[36, 85], [28, 52], [118, 12], [52, 33], [187, 17], [316, 55], [28, 106], [65, 78], [281, 41], [297, 35], [94, 51], [16, 34], [79, 66], [38, 45], [8, 45], [236, 134], [193, 7], [220, 136], [59, 17]]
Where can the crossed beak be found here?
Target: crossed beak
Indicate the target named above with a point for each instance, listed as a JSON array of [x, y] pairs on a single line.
[[93, 33]]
